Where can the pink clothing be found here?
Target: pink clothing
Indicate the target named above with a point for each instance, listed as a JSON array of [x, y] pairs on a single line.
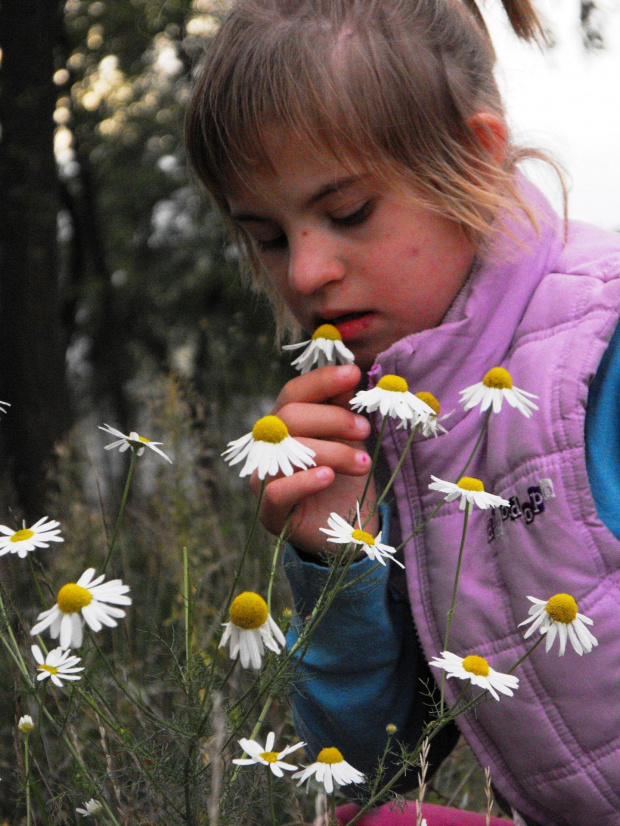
[[545, 311], [406, 816]]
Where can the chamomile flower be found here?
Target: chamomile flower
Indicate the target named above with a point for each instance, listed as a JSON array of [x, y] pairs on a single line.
[[92, 808], [493, 389], [87, 600], [330, 769], [391, 397], [477, 670], [325, 347], [250, 630], [58, 665], [341, 532], [470, 490], [430, 425], [23, 541], [266, 756], [269, 449], [25, 724], [133, 441], [558, 617]]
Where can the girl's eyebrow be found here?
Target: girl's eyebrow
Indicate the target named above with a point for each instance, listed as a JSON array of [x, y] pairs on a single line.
[[334, 186]]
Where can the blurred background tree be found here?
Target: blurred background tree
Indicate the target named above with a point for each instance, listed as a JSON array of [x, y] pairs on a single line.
[[114, 268]]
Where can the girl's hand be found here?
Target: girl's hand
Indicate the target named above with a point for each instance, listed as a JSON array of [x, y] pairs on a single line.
[[315, 409]]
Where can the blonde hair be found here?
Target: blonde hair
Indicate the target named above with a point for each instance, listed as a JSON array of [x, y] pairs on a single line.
[[390, 85]]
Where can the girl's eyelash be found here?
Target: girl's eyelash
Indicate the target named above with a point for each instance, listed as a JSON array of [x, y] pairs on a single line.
[[351, 220], [356, 217], [273, 243]]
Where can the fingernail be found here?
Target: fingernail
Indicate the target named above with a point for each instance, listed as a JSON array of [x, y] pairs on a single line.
[[323, 474], [362, 425], [362, 459]]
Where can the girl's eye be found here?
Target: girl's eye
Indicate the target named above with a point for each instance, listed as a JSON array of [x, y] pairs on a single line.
[[278, 243], [354, 218]]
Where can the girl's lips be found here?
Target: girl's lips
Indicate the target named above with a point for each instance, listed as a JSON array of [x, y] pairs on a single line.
[[352, 325]]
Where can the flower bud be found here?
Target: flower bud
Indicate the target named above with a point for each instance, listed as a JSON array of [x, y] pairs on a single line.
[[25, 724]]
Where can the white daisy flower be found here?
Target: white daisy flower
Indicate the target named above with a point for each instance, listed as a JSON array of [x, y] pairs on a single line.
[[91, 808], [25, 540], [470, 490], [330, 769], [58, 665], [558, 616], [477, 670], [341, 532], [266, 756], [133, 441], [391, 397], [269, 449], [3, 405], [25, 724], [493, 389], [325, 347], [430, 426], [250, 630], [86, 600]]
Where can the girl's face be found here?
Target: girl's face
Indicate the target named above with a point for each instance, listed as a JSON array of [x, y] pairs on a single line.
[[340, 248]]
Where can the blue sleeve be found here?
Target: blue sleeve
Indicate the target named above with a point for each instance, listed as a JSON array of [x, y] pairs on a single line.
[[603, 436], [363, 669]]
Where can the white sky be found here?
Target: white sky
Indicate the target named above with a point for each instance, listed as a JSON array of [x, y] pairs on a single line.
[[567, 101]]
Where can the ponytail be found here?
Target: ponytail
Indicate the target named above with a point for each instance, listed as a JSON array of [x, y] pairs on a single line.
[[523, 18]]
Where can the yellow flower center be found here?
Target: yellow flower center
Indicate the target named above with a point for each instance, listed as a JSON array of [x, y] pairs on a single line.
[[270, 429], [476, 665], [562, 608], [72, 598], [248, 610], [469, 483], [498, 378], [144, 439], [50, 668], [394, 383], [430, 400], [327, 331], [22, 536], [269, 756], [363, 536], [329, 756]]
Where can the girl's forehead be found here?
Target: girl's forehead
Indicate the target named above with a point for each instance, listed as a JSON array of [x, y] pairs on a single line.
[[290, 165]]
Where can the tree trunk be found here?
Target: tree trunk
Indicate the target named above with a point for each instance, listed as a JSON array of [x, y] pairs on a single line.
[[32, 342]]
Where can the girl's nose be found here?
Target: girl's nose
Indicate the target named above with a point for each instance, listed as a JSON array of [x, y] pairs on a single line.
[[314, 262]]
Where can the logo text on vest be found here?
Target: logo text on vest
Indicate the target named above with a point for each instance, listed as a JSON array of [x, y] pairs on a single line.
[[527, 509]]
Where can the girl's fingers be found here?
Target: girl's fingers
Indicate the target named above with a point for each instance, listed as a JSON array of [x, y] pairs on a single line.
[[286, 492], [324, 422], [319, 386]]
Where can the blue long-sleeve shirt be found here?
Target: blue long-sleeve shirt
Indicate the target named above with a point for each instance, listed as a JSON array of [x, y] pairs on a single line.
[[364, 667]]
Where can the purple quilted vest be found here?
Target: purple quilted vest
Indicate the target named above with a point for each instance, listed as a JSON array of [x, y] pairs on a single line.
[[545, 311]]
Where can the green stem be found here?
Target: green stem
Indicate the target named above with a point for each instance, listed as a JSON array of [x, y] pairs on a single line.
[[274, 562], [527, 654], [27, 770], [121, 511], [453, 600], [271, 806], [36, 583], [186, 602], [373, 466], [397, 468], [422, 525], [233, 587], [255, 730], [15, 652]]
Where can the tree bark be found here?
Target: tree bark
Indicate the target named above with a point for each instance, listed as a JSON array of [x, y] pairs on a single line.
[[32, 341]]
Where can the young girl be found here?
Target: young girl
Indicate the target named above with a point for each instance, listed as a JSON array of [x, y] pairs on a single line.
[[359, 153]]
